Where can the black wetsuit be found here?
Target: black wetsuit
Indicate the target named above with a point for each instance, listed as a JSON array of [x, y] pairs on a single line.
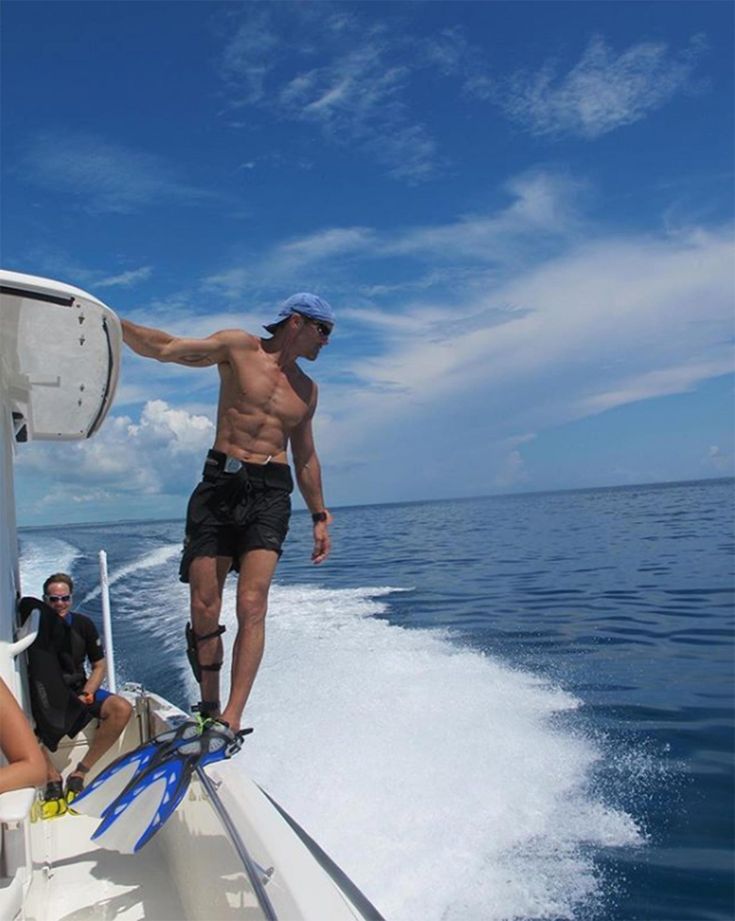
[[56, 672]]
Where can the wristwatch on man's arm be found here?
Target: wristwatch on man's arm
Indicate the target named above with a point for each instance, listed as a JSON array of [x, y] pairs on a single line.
[[316, 517]]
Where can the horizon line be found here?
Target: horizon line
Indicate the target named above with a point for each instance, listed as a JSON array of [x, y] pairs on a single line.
[[660, 484]]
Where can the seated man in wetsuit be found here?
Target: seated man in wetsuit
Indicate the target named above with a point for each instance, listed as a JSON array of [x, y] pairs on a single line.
[[113, 712]]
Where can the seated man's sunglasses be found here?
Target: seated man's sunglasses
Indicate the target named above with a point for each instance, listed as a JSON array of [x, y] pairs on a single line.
[[57, 597]]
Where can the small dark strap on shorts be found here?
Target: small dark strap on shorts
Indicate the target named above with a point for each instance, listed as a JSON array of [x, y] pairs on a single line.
[[192, 653]]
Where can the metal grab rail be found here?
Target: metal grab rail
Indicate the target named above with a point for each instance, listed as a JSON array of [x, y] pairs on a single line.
[[254, 871], [107, 623]]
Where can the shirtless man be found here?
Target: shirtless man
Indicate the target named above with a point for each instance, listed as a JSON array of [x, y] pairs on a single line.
[[238, 515]]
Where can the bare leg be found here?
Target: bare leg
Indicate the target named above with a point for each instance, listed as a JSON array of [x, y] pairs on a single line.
[[207, 576], [115, 713], [256, 572], [51, 772]]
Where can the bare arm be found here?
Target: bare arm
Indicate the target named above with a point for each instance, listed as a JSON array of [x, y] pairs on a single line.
[[26, 766], [94, 682], [309, 479], [199, 353]]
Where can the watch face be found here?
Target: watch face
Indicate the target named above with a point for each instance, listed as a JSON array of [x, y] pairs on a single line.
[[319, 516]]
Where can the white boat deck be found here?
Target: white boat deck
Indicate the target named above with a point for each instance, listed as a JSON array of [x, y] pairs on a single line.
[[193, 869], [81, 882], [189, 870]]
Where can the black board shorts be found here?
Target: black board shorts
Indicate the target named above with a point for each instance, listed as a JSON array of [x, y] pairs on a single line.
[[231, 513]]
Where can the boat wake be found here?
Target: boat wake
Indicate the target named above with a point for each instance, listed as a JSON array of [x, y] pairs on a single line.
[[43, 555], [447, 784], [151, 560], [437, 777]]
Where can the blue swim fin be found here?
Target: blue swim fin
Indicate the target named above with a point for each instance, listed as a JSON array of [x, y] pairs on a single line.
[[104, 789], [150, 799]]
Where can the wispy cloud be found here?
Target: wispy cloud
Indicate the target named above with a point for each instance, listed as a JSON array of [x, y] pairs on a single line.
[[250, 55], [513, 321], [60, 259], [104, 177], [543, 211], [360, 96], [354, 76], [324, 244], [606, 322], [125, 279], [542, 206], [602, 92], [337, 71]]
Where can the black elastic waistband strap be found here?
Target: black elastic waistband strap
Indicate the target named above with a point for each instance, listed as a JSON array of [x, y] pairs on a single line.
[[272, 473], [221, 458]]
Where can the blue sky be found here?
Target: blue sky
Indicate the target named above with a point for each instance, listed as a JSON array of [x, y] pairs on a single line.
[[521, 213]]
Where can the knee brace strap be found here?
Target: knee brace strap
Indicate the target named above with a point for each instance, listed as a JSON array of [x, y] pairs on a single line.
[[192, 653]]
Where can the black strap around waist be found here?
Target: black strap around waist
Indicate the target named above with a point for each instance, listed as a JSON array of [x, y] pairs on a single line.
[[271, 474]]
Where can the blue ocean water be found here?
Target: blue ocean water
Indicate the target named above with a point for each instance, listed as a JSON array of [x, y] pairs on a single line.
[[514, 707]]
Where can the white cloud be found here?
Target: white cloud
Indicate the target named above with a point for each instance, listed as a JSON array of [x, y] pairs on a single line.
[[453, 377], [103, 176], [324, 244], [511, 471], [645, 385], [603, 91], [125, 279], [719, 460], [173, 430], [354, 77], [360, 96], [59, 496], [606, 324], [249, 56], [528, 318], [290, 262], [159, 453], [541, 215], [335, 71], [542, 207]]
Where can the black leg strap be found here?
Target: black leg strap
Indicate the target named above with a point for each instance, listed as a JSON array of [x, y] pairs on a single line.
[[192, 653], [207, 708], [199, 637]]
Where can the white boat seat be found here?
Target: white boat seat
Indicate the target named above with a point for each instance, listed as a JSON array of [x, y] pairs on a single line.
[[15, 810], [15, 806]]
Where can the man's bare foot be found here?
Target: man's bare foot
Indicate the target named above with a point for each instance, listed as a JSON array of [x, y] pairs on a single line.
[[232, 723]]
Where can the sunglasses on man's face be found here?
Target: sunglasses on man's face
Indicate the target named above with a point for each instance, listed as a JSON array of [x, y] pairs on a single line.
[[57, 597], [324, 329]]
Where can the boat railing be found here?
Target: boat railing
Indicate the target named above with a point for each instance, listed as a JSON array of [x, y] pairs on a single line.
[[107, 623], [257, 876]]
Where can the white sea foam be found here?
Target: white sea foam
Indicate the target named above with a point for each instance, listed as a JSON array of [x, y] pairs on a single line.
[[40, 556], [156, 557], [436, 776]]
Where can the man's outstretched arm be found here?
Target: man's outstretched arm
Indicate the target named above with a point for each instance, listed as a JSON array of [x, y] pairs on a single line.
[[309, 479], [155, 343]]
